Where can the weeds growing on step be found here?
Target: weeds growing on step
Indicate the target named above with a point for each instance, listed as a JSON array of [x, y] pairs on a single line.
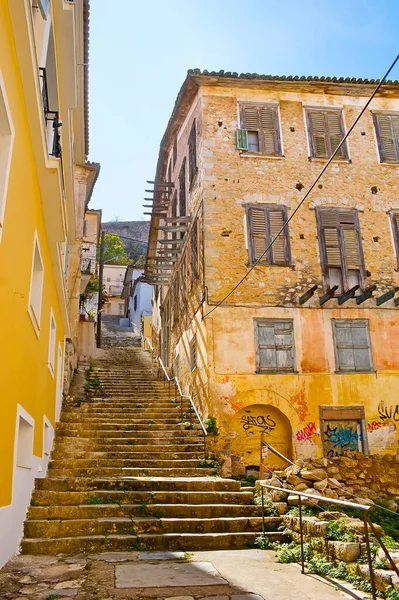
[[211, 426], [99, 500]]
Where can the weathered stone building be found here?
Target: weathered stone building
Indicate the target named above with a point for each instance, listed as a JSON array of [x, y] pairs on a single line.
[[306, 348]]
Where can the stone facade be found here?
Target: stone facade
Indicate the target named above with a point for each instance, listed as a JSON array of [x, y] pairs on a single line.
[[291, 408]]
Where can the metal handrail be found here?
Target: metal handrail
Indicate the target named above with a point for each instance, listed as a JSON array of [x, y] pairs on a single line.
[[355, 505], [176, 382]]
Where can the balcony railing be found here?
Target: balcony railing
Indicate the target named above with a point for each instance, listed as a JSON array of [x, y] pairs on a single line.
[[87, 266], [50, 116]]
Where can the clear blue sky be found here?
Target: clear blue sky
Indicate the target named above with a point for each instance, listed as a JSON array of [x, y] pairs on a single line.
[[140, 52]]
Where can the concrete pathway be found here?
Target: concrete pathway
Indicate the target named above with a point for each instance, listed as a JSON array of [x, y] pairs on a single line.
[[115, 336], [219, 575]]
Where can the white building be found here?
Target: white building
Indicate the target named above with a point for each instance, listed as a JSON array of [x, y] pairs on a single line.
[[137, 298], [113, 278]]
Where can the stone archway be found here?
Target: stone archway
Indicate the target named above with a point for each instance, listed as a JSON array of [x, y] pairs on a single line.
[[247, 425]]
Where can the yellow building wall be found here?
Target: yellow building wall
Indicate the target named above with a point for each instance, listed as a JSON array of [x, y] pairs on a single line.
[[25, 376], [237, 392]]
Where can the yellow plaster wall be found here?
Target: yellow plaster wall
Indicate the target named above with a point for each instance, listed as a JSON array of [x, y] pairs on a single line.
[[234, 384], [25, 377]]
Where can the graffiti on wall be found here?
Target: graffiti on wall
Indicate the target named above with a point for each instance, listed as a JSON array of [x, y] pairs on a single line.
[[263, 422], [307, 433], [375, 425], [340, 437], [390, 412]]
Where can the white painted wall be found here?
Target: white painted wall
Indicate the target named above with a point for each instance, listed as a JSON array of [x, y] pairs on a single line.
[[143, 291], [13, 515]]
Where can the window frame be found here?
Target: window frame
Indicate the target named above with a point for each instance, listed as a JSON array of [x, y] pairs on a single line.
[[394, 218], [52, 343], [338, 413], [311, 147], [274, 370], [8, 152], [261, 144], [377, 131], [323, 251], [194, 251], [183, 178], [192, 154], [35, 318], [335, 323], [267, 208], [193, 353]]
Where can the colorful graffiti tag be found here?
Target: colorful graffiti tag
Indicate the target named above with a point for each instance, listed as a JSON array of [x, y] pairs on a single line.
[[340, 439], [307, 433], [264, 422], [374, 425]]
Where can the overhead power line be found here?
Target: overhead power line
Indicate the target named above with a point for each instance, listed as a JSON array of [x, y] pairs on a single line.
[[320, 175]]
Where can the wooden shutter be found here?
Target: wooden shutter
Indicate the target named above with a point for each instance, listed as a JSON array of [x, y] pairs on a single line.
[[395, 230], [388, 136], [326, 132], [335, 132], [352, 345], [182, 191], [275, 345], [193, 353], [341, 239], [258, 233], [264, 121], [268, 121], [280, 247], [192, 152], [242, 139], [250, 118], [194, 251], [317, 132]]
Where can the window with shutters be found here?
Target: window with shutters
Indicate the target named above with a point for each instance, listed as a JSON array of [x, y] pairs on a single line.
[[260, 129], [340, 249], [352, 345], [395, 230], [326, 130], [274, 345], [194, 251], [192, 153], [182, 191], [387, 130], [264, 223], [193, 353]]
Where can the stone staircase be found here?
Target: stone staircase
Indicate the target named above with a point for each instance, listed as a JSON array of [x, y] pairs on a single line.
[[125, 475]]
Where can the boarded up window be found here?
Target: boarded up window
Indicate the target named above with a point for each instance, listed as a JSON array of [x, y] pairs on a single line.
[[193, 353], [340, 249], [387, 129], [264, 223], [182, 191], [352, 345], [326, 130], [342, 430], [395, 230], [274, 345], [262, 126], [194, 251], [192, 153]]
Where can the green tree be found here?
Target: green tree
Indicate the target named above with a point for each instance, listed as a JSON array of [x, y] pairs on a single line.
[[114, 250]]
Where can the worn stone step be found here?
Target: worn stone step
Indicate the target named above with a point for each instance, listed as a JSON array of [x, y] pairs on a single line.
[[127, 456], [132, 418], [142, 471], [95, 511], [75, 484], [58, 498], [168, 541], [87, 445], [84, 463], [127, 427], [132, 440], [145, 524]]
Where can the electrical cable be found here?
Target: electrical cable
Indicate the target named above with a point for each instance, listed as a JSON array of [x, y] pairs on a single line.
[[345, 137]]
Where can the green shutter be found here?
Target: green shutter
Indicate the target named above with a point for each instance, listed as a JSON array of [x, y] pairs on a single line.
[[242, 139]]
